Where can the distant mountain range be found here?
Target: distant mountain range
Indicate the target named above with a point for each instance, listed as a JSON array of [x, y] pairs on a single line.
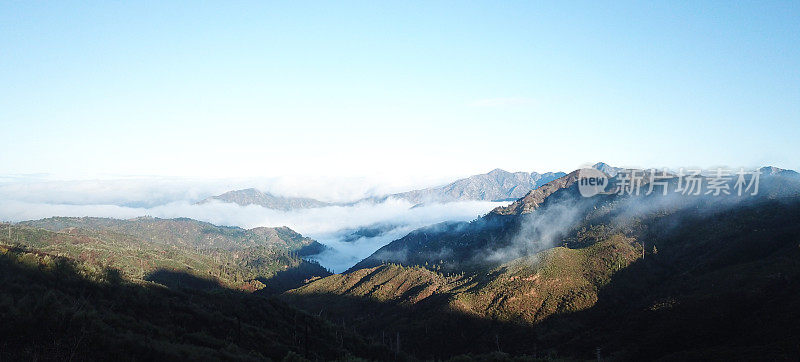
[[496, 185], [452, 245]]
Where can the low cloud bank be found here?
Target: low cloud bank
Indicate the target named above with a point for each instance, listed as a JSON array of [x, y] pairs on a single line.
[[547, 226], [147, 192], [124, 199], [404, 219]]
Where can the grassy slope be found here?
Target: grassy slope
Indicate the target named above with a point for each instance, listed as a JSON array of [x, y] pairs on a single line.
[[558, 280], [721, 284], [183, 232], [53, 308], [101, 244]]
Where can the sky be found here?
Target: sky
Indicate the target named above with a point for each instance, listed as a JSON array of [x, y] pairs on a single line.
[[407, 90]]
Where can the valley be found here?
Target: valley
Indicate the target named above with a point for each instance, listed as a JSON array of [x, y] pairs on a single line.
[[551, 275]]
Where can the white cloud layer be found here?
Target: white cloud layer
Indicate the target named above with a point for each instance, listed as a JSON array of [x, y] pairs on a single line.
[[176, 198], [153, 191]]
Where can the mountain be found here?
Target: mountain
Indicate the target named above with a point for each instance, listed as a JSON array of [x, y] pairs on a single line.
[[458, 246], [456, 243], [153, 249], [55, 308], [496, 185], [628, 277], [558, 276], [775, 171], [187, 233], [440, 315], [607, 169], [535, 197], [255, 197], [476, 293]]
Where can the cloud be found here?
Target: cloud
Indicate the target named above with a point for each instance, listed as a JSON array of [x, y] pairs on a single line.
[[344, 254], [540, 230], [171, 198], [121, 192], [547, 226], [154, 191]]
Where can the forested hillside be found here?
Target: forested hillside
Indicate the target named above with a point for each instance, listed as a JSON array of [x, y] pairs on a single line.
[[57, 309], [630, 278], [267, 259]]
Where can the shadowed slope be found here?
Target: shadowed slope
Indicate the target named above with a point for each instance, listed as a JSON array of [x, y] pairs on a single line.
[[690, 294], [53, 309], [183, 232], [240, 267]]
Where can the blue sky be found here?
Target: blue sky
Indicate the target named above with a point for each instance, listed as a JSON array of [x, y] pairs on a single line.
[[432, 89]]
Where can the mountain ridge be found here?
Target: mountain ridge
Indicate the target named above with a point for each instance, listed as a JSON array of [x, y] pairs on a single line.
[[495, 185], [666, 274], [266, 259], [495, 229], [184, 232]]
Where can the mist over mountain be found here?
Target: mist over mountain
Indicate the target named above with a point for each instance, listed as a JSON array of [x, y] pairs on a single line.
[[496, 185], [548, 212], [350, 244], [622, 271]]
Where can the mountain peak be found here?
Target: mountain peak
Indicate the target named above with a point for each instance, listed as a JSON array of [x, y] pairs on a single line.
[[498, 171], [535, 197], [606, 168], [772, 170]]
